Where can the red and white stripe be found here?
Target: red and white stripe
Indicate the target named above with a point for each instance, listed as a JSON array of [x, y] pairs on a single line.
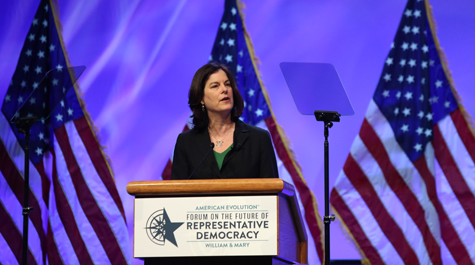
[[78, 216], [401, 212]]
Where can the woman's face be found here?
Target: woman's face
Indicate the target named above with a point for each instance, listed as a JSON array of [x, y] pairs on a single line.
[[218, 93]]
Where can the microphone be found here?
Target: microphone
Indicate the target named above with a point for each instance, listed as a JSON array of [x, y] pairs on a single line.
[[211, 146]]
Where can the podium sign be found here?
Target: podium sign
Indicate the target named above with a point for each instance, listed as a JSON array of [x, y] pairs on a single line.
[[206, 226]]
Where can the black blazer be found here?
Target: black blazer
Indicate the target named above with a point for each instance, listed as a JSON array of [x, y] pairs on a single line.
[[252, 155]]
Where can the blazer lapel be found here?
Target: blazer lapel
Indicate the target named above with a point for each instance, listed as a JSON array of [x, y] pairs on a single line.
[[202, 144], [241, 133]]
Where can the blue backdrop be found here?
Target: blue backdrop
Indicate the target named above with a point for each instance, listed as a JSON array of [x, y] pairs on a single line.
[[141, 56]]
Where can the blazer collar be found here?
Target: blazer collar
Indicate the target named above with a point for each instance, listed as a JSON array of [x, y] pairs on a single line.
[[241, 132], [203, 141]]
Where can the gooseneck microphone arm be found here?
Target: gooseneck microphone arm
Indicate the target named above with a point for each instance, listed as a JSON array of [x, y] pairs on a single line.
[[211, 146]]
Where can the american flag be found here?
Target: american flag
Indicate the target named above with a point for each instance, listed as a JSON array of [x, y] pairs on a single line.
[[233, 48], [78, 217], [406, 191]]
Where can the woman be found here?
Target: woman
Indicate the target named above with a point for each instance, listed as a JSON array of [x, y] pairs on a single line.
[[220, 145]]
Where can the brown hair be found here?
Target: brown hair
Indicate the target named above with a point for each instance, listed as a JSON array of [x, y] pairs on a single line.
[[196, 93]]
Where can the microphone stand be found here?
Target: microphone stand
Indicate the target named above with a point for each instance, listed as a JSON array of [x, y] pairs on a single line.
[[24, 124], [211, 146], [328, 117]]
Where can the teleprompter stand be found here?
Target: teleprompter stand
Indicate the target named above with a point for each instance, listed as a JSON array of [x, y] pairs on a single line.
[[24, 124], [27, 115], [328, 117], [317, 85]]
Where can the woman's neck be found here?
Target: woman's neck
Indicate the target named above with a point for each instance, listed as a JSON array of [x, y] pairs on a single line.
[[220, 124]]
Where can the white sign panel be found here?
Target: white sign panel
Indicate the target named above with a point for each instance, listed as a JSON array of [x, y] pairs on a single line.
[[205, 226]]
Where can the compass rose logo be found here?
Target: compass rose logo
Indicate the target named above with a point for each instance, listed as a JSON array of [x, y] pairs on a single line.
[[159, 227]]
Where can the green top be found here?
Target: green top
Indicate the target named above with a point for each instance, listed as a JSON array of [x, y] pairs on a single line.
[[220, 156]]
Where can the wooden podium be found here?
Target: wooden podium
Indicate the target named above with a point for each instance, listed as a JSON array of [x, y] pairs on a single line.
[[217, 221]]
